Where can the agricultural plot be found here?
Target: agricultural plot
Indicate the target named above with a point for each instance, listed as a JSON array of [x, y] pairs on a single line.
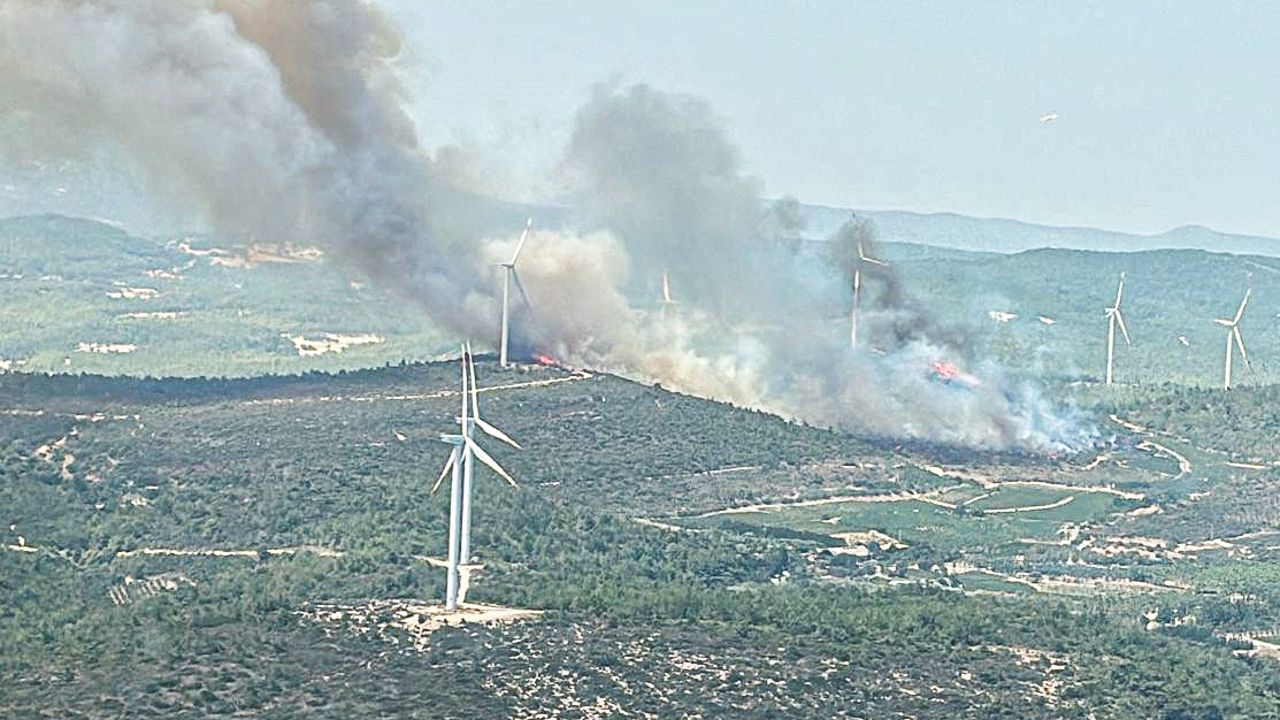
[[1000, 518]]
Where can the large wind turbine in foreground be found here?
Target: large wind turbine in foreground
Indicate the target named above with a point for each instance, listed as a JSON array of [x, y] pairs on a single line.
[[857, 292], [459, 467], [1114, 318], [509, 276], [464, 547], [1234, 338]]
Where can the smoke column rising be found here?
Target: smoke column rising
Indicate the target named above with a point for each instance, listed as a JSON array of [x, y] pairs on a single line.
[[277, 118], [285, 119], [752, 326]]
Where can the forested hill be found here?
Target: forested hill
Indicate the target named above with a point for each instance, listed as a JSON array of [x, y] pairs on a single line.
[[84, 296]]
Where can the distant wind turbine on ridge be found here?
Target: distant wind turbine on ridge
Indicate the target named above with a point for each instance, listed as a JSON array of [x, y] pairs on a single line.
[[1234, 338], [857, 292], [509, 276], [1114, 318]]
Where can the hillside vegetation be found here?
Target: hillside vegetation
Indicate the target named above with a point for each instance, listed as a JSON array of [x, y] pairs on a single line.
[[215, 501], [325, 480]]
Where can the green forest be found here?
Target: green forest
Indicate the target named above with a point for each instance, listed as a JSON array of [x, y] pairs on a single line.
[[215, 523], [718, 619]]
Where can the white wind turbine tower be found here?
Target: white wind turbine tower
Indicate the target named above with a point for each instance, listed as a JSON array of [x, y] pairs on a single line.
[[1234, 338], [454, 467], [857, 292], [510, 275], [459, 466], [1114, 318], [464, 548]]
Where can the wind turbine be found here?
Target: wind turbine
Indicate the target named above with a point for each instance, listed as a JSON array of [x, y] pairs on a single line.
[[1114, 318], [1233, 337], [459, 467], [464, 550], [510, 275], [453, 467], [857, 292]]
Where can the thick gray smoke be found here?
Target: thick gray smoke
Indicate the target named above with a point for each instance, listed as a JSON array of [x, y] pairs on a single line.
[[278, 118], [895, 319], [284, 120], [755, 321], [655, 169]]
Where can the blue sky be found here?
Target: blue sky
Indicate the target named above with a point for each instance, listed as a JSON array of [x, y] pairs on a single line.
[[1168, 111]]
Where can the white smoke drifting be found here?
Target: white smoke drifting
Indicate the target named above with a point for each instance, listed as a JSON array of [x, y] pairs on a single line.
[[285, 120]]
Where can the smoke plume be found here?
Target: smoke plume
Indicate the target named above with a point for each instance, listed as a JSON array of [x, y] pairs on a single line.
[[278, 119], [285, 120]]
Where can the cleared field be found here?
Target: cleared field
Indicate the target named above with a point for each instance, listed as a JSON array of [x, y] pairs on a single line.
[[1002, 516]]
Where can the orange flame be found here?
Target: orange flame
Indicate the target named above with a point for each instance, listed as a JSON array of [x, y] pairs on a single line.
[[945, 370]]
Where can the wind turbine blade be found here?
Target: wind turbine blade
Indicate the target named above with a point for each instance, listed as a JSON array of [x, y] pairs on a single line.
[[1119, 291], [465, 397], [475, 394], [1243, 302], [1224, 323], [448, 465], [488, 460], [666, 288], [524, 295], [495, 433], [1235, 332], [870, 260], [1124, 330], [528, 225]]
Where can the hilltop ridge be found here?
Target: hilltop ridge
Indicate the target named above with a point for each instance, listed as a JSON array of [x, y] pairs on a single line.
[[953, 230]]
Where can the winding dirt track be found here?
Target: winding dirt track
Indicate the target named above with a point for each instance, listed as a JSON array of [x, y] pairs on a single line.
[[1184, 465], [1031, 508], [211, 552], [1253, 464], [770, 507], [575, 377]]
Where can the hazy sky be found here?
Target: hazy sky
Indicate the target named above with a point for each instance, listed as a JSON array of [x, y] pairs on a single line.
[[1168, 111]]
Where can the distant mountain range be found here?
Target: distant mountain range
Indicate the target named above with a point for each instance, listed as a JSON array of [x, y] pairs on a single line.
[[94, 195], [1008, 236]]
